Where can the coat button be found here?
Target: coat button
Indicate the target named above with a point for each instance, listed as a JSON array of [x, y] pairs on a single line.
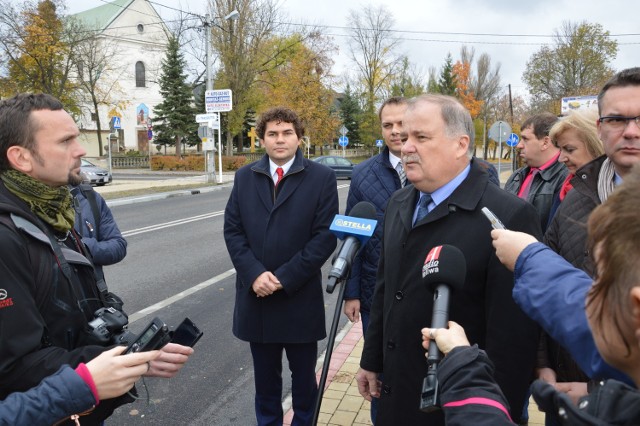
[[386, 389], [391, 344], [399, 295]]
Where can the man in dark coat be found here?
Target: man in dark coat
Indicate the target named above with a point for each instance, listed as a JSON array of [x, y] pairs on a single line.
[[277, 233], [540, 181], [374, 180], [443, 207]]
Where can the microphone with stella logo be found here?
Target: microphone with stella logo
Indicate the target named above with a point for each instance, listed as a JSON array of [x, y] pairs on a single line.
[[444, 270], [355, 230]]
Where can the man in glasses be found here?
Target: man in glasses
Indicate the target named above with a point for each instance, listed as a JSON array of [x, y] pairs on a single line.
[[619, 130]]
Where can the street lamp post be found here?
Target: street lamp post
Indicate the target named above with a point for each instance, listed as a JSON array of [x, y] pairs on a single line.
[[233, 16]]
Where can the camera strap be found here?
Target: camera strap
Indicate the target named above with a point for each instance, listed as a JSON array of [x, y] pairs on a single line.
[[59, 251]]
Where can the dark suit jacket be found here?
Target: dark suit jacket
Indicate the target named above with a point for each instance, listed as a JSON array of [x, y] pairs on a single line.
[[287, 234], [402, 304]]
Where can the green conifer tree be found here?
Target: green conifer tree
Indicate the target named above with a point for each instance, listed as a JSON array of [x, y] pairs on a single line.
[[174, 119], [446, 82], [351, 114]]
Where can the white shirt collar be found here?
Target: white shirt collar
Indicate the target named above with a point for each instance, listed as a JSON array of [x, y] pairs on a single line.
[[285, 168], [394, 160]]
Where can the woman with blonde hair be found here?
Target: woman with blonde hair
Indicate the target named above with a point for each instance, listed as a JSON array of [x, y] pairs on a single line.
[[577, 137]]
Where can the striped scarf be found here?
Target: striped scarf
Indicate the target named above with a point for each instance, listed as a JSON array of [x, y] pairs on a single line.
[[606, 184]]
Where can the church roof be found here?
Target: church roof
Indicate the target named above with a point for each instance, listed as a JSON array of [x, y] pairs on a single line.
[[99, 18]]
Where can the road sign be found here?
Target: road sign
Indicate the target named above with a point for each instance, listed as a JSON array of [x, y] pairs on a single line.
[[379, 143], [218, 100], [116, 123], [209, 118], [149, 134], [343, 141], [343, 130], [500, 131], [513, 140]]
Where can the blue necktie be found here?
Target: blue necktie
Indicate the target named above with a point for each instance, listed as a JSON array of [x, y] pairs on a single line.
[[423, 209]]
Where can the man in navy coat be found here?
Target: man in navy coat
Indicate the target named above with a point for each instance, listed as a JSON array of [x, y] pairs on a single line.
[[276, 228]]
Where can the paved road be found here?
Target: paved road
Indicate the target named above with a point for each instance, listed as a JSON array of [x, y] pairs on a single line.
[[177, 266]]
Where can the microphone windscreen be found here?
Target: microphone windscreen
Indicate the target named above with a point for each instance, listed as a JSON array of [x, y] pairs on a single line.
[[445, 264], [364, 210]]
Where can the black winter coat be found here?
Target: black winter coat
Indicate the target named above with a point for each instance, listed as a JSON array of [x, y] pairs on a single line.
[[545, 188], [43, 316], [567, 233], [402, 305]]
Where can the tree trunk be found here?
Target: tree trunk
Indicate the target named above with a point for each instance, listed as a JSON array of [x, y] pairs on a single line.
[[95, 109], [178, 146], [229, 144]]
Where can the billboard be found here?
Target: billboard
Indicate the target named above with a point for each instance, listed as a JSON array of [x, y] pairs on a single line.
[[578, 103]]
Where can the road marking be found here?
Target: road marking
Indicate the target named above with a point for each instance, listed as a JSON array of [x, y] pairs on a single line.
[[172, 223], [166, 302]]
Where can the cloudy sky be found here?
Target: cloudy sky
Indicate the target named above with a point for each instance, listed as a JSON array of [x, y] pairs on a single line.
[[508, 30]]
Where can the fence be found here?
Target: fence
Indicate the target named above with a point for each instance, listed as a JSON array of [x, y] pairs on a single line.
[[130, 162]]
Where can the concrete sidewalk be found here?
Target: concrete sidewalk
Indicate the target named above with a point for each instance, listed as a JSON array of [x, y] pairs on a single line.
[[172, 179], [342, 404]]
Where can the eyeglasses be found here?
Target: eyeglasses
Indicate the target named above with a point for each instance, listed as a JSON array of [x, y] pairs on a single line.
[[618, 122]]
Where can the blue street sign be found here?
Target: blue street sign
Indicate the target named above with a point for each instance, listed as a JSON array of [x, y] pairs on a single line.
[[149, 134], [513, 140], [116, 123], [343, 141], [379, 142]]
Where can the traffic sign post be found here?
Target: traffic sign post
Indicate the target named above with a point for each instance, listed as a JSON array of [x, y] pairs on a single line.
[[500, 131], [513, 141], [116, 122], [343, 141], [218, 100], [379, 144]]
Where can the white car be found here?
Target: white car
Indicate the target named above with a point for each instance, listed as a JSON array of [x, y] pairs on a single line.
[[94, 174]]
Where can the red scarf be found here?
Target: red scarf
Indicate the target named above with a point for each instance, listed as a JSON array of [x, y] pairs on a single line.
[[566, 186]]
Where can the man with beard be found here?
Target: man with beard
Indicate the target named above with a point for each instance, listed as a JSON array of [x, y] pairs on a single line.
[[49, 287]]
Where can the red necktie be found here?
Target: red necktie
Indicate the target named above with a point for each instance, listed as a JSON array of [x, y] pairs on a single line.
[[280, 173]]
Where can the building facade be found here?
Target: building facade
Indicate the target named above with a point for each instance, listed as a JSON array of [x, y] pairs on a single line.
[[134, 37]]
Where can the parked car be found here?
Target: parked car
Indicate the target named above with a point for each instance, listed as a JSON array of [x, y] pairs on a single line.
[[94, 174], [342, 166]]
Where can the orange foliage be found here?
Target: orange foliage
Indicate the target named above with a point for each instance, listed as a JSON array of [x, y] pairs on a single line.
[[461, 73]]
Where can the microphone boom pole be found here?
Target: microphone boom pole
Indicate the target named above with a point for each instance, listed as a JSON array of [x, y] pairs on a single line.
[[355, 230]]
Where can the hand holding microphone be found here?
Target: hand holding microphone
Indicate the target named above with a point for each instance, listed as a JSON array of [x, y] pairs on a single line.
[[444, 270], [446, 338]]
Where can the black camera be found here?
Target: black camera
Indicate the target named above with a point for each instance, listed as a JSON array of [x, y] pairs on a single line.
[[108, 326], [153, 337]]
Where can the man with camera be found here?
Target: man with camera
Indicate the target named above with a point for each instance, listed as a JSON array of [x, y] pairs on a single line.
[[49, 295]]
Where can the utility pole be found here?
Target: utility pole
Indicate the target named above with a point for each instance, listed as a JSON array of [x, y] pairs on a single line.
[[207, 43]]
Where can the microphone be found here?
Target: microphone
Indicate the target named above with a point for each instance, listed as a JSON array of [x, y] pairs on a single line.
[[444, 270], [355, 230]]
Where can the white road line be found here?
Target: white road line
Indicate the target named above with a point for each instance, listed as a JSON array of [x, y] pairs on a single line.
[[166, 302], [171, 223]]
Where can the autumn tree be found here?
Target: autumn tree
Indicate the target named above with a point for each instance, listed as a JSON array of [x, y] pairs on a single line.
[[407, 81], [372, 48], [298, 80], [240, 47], [38, 51], [461, 76], [174, 121], [577, 63]]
